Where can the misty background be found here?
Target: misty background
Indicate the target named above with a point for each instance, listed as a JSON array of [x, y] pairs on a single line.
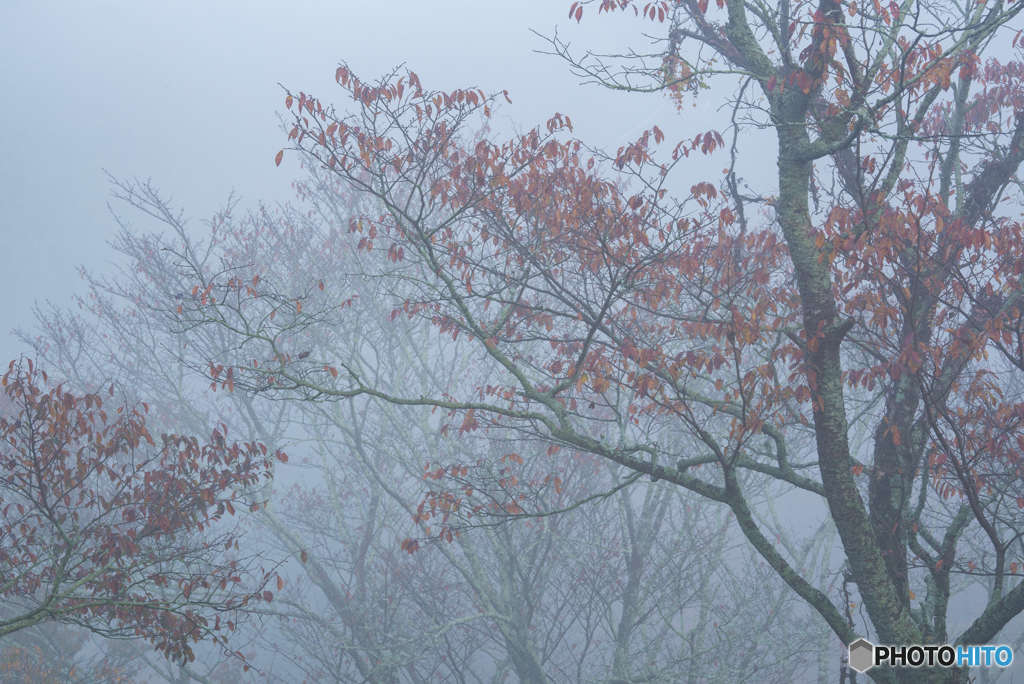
[[186, 94]]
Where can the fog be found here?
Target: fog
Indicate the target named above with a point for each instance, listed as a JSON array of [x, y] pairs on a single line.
[[460, 468], [188, 95]]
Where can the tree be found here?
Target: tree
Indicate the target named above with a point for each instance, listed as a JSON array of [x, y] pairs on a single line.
[[103, 529], [51, 653], [877, 282], [639, 584]]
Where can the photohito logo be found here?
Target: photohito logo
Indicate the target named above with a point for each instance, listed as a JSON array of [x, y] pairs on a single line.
[[865, 655]]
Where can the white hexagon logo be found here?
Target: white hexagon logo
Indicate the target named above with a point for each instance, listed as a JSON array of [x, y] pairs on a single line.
[[862, 655]]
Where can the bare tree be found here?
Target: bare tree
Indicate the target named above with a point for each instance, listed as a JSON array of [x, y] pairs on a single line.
[[642, 583]]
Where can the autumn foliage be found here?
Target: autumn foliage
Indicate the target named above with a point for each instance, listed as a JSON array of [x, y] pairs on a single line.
[[104, 527], [853, 330]]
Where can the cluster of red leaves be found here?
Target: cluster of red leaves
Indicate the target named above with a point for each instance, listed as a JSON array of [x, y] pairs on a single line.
[[101, 527], [631, 289], [509, 488], [669, 300]]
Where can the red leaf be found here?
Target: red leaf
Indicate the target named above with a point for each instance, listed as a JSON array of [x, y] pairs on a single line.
[[279, 157]]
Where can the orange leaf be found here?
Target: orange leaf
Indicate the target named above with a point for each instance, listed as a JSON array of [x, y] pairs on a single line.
[[279, 157]]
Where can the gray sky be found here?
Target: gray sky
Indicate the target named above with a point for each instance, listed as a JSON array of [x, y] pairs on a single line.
[[186, 93]]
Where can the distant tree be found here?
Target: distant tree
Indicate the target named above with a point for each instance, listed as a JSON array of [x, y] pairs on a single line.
[[58, 653], [102, 528]]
